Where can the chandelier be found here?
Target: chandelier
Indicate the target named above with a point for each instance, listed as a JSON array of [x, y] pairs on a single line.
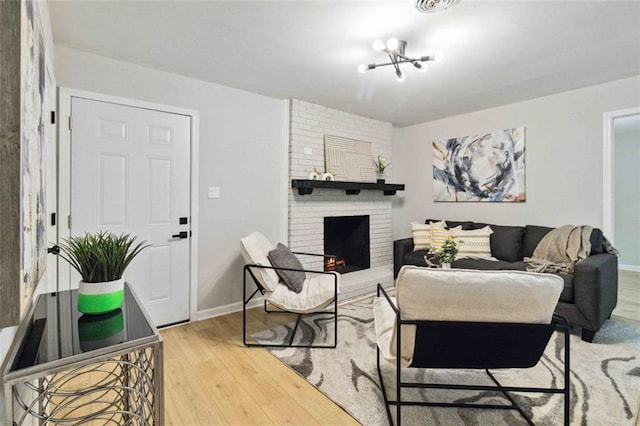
[[394, 48]]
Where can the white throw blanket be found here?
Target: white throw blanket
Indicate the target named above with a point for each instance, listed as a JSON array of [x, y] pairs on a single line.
[[561, 249]]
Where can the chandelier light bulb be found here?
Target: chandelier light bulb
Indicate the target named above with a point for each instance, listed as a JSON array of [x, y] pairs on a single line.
[[392, 44], [395, 50], [378, 45]]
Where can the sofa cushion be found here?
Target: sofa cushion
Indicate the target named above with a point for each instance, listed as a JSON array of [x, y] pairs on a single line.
[[567, 291], [532, 236], [506, 242], [480, 225], [597, 245], [453, 224], [488, 265], [465, 225], [415, 258], [318, 291]]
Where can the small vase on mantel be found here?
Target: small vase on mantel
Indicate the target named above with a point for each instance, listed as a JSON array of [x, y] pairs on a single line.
[[380, 164]]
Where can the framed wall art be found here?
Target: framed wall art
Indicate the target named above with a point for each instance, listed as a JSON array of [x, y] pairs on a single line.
[[349, 159], [481, 167]]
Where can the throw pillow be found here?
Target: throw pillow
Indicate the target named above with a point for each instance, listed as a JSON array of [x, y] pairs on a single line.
[[422, 234], [474, 244], [440, 234], [282, 257], [506, 242]]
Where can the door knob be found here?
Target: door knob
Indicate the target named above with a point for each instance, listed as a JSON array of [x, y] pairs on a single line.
[[183, 234], [54, 249]]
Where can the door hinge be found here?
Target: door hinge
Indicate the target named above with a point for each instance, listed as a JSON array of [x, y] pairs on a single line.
[[70, 123], [69, 221], [53, 219], [53, 117]]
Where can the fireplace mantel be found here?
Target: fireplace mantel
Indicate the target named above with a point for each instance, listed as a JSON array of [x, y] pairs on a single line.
[[306, 186]]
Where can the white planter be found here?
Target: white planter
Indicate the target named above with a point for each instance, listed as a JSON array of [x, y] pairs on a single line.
[[446, 266]]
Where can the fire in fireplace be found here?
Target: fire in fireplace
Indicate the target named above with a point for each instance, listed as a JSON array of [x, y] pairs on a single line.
[[347, 238]]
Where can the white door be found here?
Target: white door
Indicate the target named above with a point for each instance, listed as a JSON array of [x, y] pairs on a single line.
[[130, 173]]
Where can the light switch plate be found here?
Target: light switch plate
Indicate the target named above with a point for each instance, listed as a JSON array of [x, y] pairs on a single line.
[[308, 151], [214, 192]]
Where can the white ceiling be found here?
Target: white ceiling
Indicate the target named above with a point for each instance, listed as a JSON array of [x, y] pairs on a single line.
[[494, 52]]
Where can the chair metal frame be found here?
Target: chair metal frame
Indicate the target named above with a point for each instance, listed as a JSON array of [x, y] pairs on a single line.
[[559, 323], [260, 289]]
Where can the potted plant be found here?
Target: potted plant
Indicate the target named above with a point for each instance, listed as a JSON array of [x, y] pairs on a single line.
[[101, 260], [381, 164], [442, 256]]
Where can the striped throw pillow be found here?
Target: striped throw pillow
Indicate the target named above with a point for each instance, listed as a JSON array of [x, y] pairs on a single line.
[[422, 235], [440, 234], [474, 244]]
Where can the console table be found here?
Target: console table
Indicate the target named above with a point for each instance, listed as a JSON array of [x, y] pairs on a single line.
[[69, 368]]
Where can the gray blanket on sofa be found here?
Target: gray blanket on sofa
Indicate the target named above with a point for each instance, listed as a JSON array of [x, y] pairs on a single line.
[[561, 249]]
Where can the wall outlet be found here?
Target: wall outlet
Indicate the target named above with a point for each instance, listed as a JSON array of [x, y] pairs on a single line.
[[214, 192]]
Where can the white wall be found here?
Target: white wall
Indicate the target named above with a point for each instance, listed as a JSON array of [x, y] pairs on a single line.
[[563, 159], [241, 142]]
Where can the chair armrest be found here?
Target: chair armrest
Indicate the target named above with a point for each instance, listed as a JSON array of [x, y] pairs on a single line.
[[315, 254], [386, 296], [277, 268], [560, 322], [249, 266], [400, 248], [595, 287], [324, 256]]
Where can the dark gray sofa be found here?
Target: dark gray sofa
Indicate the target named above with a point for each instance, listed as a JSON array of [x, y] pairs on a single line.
[[590, 294]]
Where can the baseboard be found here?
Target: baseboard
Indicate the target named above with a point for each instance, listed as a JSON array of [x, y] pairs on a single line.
[[226, 309], [632, 268]]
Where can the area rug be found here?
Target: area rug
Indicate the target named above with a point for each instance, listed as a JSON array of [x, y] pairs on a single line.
[[605, 376]]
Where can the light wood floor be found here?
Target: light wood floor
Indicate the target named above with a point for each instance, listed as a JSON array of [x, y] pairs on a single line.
[[212, 379], [628, 308]]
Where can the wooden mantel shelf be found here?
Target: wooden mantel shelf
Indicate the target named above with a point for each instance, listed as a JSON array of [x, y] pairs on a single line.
[[306, 186]]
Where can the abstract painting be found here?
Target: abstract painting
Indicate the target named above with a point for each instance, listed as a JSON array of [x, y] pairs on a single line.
[[31, 151], [482, 167], [349, 159]]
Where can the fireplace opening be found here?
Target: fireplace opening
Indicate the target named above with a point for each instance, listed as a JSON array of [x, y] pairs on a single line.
[[347, 238]]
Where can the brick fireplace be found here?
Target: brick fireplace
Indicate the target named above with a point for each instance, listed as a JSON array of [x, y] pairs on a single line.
[[308, 125]]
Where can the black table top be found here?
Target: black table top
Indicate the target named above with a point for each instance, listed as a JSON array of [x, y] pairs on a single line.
[[57, 330]]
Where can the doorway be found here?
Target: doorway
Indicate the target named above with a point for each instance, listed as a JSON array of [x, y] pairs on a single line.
[[621, 194], [130, 171]]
